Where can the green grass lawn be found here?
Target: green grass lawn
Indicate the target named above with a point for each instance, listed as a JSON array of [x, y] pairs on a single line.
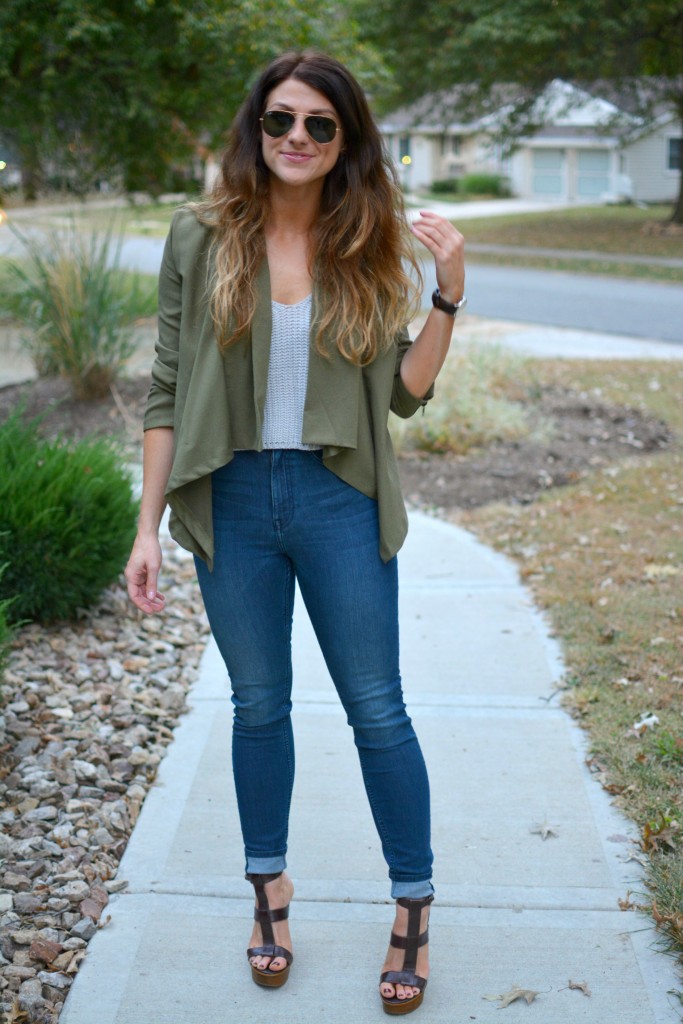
[[603, 229], [609, 231], [150, 219]]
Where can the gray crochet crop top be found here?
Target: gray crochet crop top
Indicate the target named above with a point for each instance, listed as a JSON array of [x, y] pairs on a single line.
[[287, 376]]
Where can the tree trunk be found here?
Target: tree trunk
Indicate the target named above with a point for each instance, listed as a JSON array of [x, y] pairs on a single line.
[[677, 215], [31, 173]]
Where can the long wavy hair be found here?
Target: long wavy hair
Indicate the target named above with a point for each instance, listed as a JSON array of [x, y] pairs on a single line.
[[361, 247]]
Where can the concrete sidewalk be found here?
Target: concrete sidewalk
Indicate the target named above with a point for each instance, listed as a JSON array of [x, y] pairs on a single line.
[[512, 909]]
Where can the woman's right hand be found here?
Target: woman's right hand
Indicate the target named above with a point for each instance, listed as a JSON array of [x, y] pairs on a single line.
[[142, 573]]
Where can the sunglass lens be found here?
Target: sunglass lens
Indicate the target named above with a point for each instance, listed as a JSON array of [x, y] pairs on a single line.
[[321, 129], [277, 123]]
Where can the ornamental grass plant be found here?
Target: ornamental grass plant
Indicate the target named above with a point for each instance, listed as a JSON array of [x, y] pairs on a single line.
[[67, 522], [478, 400], [77, 306]]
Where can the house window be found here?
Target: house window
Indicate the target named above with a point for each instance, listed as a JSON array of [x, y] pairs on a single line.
[[403, 147], [673, 162]]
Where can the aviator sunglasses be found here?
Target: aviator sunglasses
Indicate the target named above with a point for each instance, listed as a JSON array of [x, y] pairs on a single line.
[[277, 123]]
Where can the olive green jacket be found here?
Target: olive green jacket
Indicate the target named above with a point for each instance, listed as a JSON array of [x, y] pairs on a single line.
[[214, 399]]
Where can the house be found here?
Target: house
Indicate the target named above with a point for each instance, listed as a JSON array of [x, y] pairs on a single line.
[[588, 148]]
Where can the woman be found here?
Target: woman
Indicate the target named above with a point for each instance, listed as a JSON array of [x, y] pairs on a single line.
[[282, 304]]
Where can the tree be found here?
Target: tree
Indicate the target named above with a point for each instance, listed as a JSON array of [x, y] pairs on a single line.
[[105, 87], [634, 45]]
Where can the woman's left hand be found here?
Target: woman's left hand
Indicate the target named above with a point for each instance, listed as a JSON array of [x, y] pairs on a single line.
[[447, 246]]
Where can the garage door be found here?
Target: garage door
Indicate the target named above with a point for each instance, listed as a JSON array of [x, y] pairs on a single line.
[[548, 172], [592, 173]]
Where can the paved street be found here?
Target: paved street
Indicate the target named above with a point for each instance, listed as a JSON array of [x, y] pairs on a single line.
[[621, 306], [641, 309]]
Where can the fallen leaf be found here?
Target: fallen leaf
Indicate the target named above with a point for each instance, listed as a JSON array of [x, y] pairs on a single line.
[[626, 903], [582, 986], [660, 832], [544, 830], [79, 955], [511, 996], [16, 1014]]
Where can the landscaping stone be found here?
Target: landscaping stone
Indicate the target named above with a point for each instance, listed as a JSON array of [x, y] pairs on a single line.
[[90, 710]]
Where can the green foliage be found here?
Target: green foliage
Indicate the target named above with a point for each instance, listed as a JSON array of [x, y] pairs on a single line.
[[483, 185], [669, 747], [445, 185], [5, 629], [67, 522], [474, 404], [501, 56], [125, 89], [523, 42], [78, 306]]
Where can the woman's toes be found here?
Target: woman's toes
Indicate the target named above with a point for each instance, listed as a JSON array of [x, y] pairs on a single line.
[[387, 990], [278, 964]]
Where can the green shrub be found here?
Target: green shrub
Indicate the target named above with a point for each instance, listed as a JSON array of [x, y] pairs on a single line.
[[5, 629], [483, 185], [444, 185], [67, 522], [78, 305]]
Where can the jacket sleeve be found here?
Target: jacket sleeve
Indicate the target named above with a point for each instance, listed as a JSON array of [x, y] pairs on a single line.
[[161, 399], [402, 402]]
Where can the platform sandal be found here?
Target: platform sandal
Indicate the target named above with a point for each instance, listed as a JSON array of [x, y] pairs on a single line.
[[410, 943], [266, 917]]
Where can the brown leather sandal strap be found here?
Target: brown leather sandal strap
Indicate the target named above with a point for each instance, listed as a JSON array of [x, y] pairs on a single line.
[[263, 914], [403, 978], [273, 951], [405, 941], [413, 940]]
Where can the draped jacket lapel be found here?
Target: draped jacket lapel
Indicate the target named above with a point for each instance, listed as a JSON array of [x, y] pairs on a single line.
[[215, 399]]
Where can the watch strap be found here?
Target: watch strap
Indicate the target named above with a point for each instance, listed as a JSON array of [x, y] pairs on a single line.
[[451, 308]]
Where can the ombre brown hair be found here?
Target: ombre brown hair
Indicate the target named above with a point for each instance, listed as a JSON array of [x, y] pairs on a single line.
[[361, 246]]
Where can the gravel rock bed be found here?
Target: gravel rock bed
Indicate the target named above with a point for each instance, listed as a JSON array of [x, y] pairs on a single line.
[[87, 713]]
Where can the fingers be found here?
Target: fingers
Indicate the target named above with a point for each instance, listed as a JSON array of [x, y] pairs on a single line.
[[142, 573], [438, 234], [447, 246]]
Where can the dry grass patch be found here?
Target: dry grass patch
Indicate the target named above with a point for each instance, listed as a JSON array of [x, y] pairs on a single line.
[[604, 229], [605, 558], [479, 398]]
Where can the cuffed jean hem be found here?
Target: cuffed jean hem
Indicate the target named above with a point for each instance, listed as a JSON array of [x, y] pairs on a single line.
[[411, 890], [265, 865]]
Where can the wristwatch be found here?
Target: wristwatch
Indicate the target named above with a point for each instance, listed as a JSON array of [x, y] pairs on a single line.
[[447, 307]]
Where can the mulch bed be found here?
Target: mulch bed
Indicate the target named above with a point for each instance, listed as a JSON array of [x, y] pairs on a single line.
[[587, 435]]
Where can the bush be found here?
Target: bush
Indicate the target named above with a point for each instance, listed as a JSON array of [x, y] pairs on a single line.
[[67, 522], [483, 185], [443, 185], [5, 630], [78, 306]]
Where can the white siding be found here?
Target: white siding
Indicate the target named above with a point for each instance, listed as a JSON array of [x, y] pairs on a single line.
[[645, 163]]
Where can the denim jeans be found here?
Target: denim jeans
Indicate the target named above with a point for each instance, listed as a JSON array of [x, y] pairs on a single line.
[[279, 516]]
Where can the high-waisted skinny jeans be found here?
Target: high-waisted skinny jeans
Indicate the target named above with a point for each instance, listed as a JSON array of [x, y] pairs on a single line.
[[279, 516]]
